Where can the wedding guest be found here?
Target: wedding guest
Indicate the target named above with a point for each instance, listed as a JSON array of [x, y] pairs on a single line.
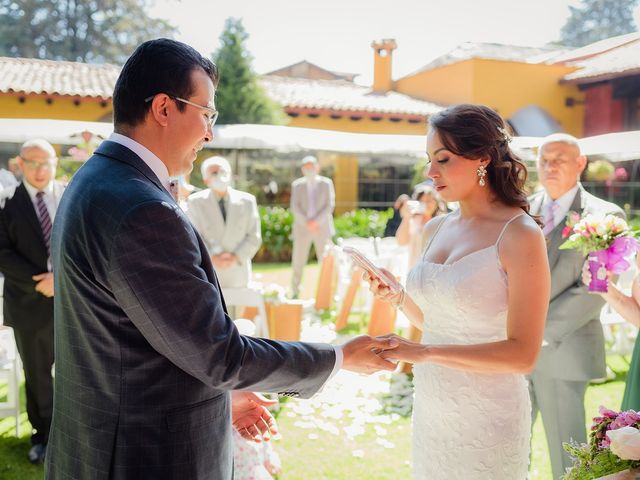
[[573, 350], [27, 213], [228, 221], [426, 204], [470, 293], [628, 306], [391, 227], [312, 202]]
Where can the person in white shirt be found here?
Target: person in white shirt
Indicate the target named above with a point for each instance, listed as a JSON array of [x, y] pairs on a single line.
[[228, 221]]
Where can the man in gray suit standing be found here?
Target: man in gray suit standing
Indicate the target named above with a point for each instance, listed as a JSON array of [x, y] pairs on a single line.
[[313, 199], [573, 349], [146, 356], [228, 222]]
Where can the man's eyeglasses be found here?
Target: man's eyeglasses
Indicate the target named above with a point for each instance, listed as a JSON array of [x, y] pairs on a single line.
[[35, 165], [212, 113]]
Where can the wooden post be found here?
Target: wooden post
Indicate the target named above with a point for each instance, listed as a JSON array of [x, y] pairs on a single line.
[[324, 293], [345, 309], [284, 320], [382, 319]]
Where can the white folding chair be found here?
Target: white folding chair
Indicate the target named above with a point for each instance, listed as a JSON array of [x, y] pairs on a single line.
[[249, 297], [10, 368]]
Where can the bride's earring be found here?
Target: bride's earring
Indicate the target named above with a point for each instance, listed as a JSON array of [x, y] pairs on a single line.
[[481, 172]]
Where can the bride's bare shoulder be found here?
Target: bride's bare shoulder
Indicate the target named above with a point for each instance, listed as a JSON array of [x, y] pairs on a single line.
[[522, 237]]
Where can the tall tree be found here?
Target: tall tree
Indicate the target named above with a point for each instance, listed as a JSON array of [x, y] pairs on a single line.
[[239, 97], [77, 30], [596, 20]]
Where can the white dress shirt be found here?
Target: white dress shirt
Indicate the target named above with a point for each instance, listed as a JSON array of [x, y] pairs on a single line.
[[563, 205], [161, 171], [49, 198]]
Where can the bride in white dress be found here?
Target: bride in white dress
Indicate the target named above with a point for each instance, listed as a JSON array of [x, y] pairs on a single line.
[[480, 295]]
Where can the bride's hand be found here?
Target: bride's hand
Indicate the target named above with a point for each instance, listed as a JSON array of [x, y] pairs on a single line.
[[406, 351], [381, 290]]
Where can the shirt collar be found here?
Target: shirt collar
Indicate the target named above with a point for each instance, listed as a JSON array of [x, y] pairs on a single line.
[[156, 165], [33, 191], [564, 202]]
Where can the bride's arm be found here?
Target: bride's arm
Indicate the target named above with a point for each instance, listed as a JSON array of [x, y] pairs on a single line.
[[523, 256], [400, 300]]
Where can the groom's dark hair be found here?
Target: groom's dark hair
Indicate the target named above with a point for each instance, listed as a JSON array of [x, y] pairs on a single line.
[[156, 66]]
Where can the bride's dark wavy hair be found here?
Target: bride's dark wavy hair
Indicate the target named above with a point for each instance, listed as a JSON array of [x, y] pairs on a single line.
[[476, 132]]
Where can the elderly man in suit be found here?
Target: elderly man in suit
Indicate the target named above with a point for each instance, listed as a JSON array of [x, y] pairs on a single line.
[[313, 199], [146, 355], [26, 217], [228, 222], [573, 350]]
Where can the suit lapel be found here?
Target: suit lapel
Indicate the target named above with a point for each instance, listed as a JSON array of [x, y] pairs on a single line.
[[554, 239], [123, 154]]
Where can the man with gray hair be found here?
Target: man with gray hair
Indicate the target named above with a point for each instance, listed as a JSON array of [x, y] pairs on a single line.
[[573, 348], [228, 221], [312, 202], [26, 218]]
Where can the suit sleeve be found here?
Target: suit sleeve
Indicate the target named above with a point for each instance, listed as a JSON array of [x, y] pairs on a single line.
[[12, 263], [570, 311], [156, 269], [252, 240]]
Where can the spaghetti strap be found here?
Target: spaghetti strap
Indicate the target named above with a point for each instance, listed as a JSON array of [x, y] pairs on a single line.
[[505, 228], [424, 252]]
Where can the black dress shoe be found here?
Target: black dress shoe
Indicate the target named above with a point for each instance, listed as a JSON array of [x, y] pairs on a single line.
[[37, 453]]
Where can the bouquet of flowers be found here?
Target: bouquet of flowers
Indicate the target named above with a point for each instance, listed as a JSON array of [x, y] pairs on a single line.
[[606, 240], [613, 448]]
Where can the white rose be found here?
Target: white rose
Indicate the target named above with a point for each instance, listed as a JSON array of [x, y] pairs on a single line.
[[625, 443], [601, 229]]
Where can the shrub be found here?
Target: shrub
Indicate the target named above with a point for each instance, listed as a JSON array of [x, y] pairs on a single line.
[[277, 224]]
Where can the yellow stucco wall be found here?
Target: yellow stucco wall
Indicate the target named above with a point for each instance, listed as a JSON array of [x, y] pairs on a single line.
[[510, 86], [345, 180], [444, 85], [505, 86], [364, 125], [61, 108]]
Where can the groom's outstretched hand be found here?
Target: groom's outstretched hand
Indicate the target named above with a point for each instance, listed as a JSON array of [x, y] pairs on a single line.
[[250, 416], [362, 354]]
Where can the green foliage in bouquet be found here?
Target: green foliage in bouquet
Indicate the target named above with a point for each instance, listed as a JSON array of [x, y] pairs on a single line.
[[607, 452]]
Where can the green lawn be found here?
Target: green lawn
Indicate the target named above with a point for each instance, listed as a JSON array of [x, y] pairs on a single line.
[[317, 453]]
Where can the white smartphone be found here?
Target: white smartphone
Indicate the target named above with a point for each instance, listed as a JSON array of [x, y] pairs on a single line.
[[367, 265]]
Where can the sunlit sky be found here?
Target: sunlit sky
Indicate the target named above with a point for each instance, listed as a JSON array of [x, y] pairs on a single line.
[[337, 34]]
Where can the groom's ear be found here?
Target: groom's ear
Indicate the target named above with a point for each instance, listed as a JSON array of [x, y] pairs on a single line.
[[160, 109]]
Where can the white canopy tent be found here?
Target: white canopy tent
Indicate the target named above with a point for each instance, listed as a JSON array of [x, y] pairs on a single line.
[[613, 146]]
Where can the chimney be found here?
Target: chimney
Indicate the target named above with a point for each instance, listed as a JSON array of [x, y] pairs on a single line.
[[382, 50]]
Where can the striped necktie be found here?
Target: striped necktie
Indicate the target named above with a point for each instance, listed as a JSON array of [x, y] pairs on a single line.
[[45, 220], [549, 217]]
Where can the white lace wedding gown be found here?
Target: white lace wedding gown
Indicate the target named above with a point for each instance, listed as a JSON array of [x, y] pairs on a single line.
[[466, 425]]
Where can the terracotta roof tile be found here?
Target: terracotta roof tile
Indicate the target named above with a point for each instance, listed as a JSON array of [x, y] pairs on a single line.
[[342, 96], [33, 76], [489, 51], [620, 61]]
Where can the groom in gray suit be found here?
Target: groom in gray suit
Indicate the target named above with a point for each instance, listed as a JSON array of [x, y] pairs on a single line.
[[146, 356], [313, 199], [573, 349]]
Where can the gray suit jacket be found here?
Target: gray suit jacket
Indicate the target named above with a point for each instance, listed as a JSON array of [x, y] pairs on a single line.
[[145, 352], [240, 234], [575, 349], [325, 202]]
